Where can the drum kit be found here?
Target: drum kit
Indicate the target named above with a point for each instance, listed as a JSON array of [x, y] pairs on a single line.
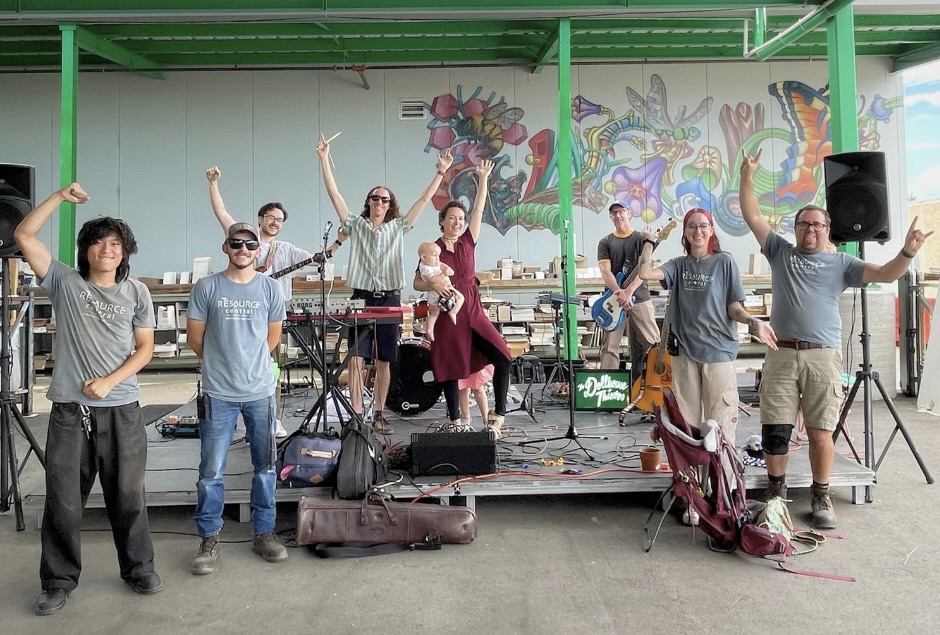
[[413, 390]]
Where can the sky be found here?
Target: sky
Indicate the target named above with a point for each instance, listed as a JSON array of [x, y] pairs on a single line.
[[922, 131]]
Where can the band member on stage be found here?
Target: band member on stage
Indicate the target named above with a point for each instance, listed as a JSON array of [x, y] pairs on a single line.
[[807, 280], [705, 304], [463, 348], [274, 255], [104, 338], [234, 322], [618, 252], [375, 271]]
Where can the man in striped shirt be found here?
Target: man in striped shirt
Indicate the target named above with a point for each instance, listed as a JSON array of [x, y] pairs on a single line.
[[376, 271]]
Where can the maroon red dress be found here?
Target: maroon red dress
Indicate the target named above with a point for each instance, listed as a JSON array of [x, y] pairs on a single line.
[[452, 354]]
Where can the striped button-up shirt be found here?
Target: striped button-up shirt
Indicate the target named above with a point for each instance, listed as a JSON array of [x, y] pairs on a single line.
[[376, 262]]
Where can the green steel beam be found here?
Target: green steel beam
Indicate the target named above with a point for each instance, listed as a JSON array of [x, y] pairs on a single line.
[[800, 28], [916, 57], [565, 189], [843, 89], [149, 7], [549, 52], [68, 141], [118, 54], [760, 26]]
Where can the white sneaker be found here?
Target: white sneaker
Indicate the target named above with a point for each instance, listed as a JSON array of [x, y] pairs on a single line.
[[690, 517], [279, 431]]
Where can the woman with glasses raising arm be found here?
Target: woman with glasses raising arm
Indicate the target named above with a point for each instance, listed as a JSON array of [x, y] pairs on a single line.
[[376, 271]]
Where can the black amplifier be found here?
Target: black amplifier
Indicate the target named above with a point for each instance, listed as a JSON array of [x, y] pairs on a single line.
[[453, 453]]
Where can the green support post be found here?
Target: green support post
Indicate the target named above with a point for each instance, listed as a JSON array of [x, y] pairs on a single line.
[[68, 141], [843, 89], [565, 196]]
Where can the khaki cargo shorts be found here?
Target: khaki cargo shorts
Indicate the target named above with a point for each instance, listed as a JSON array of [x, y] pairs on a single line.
[[810, 380]]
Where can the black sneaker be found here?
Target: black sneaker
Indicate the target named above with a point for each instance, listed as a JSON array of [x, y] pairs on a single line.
[[147, 584], [207, 559], [51, 601]]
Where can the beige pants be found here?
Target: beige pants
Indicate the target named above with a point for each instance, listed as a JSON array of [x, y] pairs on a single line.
[[706, 391], [642, 332]]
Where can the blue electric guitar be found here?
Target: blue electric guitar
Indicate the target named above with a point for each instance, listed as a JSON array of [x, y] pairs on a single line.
[[609, 315]]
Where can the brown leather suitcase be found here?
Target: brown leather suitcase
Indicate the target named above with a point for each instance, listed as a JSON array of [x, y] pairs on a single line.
[[375, 520]]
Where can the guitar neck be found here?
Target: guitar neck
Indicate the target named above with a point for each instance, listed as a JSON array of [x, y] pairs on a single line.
[[294, 267]]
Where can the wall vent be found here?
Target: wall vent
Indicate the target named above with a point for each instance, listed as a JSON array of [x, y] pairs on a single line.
[[412, 109]]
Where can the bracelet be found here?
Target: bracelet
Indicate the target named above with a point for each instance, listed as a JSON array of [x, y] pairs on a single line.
[[647, 241], [337, 243], [907, 255], [440, 172]]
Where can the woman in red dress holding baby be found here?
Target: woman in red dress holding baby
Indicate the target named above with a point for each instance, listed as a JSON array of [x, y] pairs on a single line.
[[461, 349]]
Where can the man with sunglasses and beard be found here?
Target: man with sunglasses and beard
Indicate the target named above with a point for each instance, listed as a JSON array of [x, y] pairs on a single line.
[[105, 337], [234, 322], [805, 372], [376, 271], [273, 255]]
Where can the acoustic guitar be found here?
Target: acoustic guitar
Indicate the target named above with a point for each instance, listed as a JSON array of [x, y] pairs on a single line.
[[606, 312], [647, 390]]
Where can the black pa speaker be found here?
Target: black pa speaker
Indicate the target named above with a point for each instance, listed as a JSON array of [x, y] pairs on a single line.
[[438, 453], [857, 197], [17, 183]]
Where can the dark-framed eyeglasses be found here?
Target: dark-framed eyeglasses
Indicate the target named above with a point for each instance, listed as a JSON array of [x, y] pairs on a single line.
[[701, 227], [375, 198], [804, 225], [273, 219], [238, 243]]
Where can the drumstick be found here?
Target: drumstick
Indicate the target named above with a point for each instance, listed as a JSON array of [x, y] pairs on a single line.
[[332, 165]]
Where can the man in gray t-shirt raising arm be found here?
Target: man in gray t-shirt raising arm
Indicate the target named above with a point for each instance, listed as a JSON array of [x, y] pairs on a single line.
[[104, 337], [234, 322], [806, 372]]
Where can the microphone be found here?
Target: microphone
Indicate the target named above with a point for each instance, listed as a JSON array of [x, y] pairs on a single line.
[[326, 231]]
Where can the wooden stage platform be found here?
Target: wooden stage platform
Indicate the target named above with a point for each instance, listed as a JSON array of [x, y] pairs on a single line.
[[613, 466]]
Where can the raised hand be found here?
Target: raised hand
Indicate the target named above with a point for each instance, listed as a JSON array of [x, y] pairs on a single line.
[[444, 160], [323, 149], [213, 174], [749, 164], [73, 193], [915, 238], [484, 169]]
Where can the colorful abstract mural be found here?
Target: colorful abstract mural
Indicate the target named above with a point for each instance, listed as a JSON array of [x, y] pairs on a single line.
[[649, 158]]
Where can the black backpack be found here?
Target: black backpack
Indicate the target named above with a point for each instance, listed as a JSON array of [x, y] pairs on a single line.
[[363, 461]]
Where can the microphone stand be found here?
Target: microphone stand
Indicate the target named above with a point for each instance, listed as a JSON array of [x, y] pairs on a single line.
[[572, 433]]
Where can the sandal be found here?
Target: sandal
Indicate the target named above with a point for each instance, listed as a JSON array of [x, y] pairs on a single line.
[[494, 422], [380, 425]]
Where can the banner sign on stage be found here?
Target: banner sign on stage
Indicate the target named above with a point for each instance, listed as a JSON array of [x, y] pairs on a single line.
[[601, 389]]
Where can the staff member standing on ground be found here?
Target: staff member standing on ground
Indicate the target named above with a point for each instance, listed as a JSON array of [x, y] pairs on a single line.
[[104, 338], [807, 280], [273, 255], [234, 322]]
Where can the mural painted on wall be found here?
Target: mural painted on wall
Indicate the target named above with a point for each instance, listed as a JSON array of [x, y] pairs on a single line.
[[647, 156]]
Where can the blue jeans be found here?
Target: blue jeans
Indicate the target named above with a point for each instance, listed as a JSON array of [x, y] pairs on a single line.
[[215, 437]]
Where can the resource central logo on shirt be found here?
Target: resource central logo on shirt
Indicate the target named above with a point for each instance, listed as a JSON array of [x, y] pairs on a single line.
[[695, 280], [238, 309], [104, 310], [798, 262]]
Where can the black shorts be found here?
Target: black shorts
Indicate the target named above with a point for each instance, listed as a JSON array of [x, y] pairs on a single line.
[[385, 337]]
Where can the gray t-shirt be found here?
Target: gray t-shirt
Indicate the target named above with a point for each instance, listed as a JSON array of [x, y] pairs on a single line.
[[236, 362], [94, 333], [698, 306], [285, 255], [806, 291], [624, 252]]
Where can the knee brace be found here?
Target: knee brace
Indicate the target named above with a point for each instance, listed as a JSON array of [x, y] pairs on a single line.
[[776, 438]]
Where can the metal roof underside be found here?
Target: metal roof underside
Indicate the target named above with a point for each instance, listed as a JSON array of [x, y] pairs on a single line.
[[156, 35]]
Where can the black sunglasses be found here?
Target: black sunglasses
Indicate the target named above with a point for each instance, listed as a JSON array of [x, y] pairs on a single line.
[[238, 243], [375, 198]]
